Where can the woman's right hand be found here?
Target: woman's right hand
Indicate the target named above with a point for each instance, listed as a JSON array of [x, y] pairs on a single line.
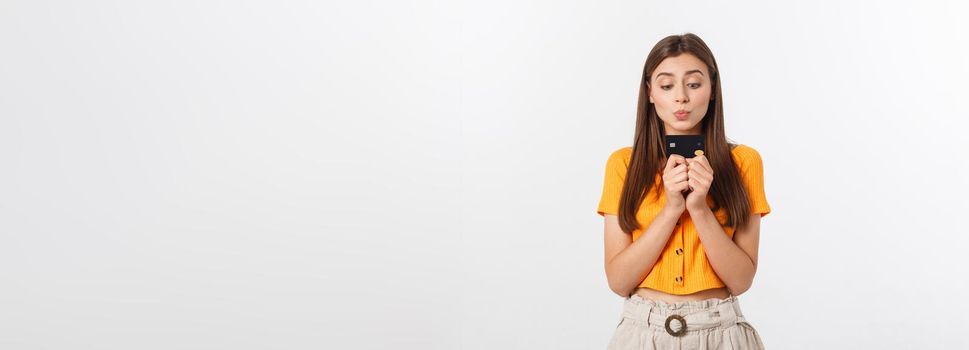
[[675, 181]]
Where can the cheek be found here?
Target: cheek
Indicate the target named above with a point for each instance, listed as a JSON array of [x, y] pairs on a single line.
[[705, 93]]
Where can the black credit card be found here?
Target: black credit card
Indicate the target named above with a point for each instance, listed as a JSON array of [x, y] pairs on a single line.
[[684, 145]]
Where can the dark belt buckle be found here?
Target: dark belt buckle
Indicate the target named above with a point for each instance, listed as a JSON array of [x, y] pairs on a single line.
[[682, 330]]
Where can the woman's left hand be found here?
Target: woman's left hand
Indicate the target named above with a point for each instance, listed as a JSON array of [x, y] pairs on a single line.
[[699, 174]]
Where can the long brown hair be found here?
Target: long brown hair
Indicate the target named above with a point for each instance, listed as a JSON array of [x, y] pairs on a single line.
[[649, 150]]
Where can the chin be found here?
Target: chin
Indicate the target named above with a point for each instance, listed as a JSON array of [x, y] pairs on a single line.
[[684, 125], [683, 131]]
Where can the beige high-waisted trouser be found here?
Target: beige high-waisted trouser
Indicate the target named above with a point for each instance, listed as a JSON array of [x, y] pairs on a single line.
[[711, 324]]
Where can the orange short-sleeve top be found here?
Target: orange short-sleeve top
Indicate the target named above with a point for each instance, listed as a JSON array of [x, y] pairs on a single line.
[[682, 267]]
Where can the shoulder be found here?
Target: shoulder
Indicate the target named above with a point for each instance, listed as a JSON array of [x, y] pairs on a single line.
[[621, 156], [624, 152], [746, 157], [744, 152]]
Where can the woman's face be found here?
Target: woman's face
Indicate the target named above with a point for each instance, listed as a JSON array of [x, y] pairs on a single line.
[[681, 83]]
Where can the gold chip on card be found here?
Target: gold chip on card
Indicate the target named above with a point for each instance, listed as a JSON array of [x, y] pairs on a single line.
[[698, 152]]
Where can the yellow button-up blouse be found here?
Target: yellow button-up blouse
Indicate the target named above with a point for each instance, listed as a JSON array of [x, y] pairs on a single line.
[[682, 267]]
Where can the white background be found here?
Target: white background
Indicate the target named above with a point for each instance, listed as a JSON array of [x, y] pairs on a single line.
[[424, 175]]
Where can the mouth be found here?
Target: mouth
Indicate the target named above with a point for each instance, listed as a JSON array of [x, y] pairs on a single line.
[[681, 114]]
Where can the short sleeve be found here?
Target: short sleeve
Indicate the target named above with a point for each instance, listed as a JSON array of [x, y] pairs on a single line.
[[615, 175], [752, 170]]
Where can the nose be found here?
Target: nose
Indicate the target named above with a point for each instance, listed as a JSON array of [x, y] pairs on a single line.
[[681, 95]]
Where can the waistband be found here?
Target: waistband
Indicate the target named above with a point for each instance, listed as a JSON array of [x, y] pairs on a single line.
[[697, 315]]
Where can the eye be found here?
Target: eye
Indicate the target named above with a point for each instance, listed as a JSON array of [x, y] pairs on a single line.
[[694, 85], [666, 87]]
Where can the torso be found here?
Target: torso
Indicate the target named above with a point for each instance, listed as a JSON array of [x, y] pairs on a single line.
[[652, 294]]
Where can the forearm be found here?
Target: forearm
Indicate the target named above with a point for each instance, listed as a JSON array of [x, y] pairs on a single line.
[[734, 267], [629, 268]]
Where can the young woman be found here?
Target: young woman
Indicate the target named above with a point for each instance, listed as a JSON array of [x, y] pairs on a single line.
[[681, 234]]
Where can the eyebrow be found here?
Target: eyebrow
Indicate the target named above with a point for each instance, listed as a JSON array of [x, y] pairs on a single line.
[[687, 73]]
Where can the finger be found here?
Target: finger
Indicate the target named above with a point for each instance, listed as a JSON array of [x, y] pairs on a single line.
[[669, 165], [698, 174], [698, 170], [699, 183], [705, 163], [671, 174], [682, 168], [702, 169], [673, 184], [682, 177], [695, 184], [674, 179], [683, 186], [678, 158]]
